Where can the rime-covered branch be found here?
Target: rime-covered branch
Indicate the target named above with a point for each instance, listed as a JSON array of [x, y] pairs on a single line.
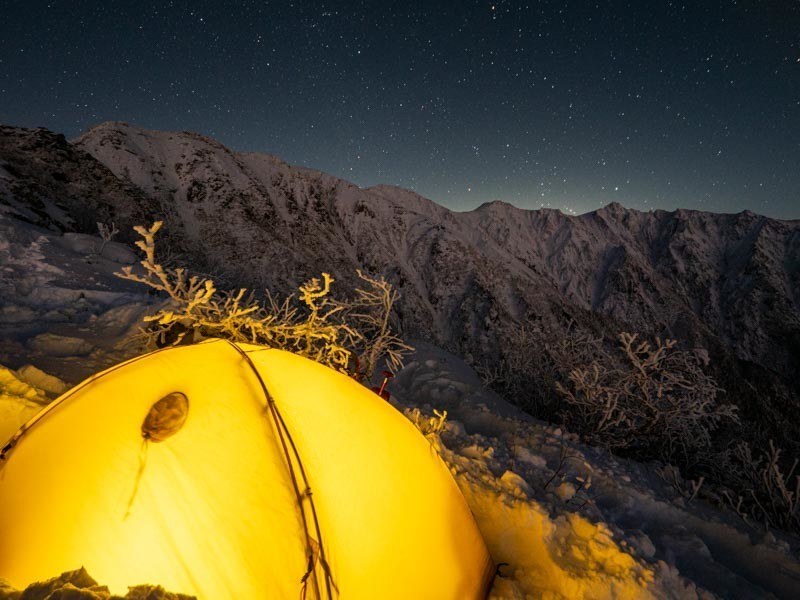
[[334, 333]]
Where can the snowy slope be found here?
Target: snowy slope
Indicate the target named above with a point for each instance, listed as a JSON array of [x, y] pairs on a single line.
[[543, 238], [573, 521], [61, 307], [727, 283], [730, 283], [641, 268], [736, 275], [562, 520]]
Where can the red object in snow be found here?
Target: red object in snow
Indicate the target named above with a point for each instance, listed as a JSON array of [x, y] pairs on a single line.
[[382, 391]]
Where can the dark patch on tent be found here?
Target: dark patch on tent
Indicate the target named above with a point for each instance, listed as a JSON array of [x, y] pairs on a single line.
[[166, 417]]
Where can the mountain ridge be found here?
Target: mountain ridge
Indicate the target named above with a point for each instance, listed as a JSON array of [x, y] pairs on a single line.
[[729, 283]]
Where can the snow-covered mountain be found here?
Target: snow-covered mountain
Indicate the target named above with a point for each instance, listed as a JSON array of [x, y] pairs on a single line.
[[562, 519], [728, 283]]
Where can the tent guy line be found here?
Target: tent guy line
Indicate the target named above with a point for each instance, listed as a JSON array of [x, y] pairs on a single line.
[[316, 548]]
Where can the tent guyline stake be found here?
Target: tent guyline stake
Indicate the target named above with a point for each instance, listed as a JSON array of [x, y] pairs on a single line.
[[283, 434]]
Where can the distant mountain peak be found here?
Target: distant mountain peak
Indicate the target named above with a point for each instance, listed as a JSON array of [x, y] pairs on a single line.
[[497, 205], [615, 207]]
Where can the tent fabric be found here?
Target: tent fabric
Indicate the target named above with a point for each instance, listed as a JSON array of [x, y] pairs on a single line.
[[235, 471]]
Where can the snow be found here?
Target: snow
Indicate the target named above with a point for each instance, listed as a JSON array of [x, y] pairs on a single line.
[[19, 402], [62, 309], [575, 521], [36, 378], [561, 519]]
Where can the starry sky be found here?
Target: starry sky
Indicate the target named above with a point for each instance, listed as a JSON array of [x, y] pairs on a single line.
[[569, 105]]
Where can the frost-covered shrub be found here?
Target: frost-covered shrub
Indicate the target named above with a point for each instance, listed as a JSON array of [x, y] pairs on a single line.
[[350, 336], [107, 234], [654, 399], [761, 485], [533, 360], [651, 400]]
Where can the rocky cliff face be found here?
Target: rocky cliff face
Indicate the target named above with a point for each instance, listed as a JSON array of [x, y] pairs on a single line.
[[729, 283], [47, 181]]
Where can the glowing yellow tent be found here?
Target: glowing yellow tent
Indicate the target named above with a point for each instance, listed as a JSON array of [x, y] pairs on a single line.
[[230, 471]]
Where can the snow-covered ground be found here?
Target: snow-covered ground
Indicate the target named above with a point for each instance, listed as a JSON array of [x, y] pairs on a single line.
[[61, 306], [572, 521], [562, 520]]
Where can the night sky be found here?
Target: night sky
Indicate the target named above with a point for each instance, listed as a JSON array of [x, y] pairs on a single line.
[[569, 105]]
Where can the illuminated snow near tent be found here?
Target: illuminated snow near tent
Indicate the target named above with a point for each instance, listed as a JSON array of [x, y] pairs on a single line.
[[173, 468]]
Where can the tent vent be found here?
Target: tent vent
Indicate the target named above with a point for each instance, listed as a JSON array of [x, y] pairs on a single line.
[[166, 417]]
